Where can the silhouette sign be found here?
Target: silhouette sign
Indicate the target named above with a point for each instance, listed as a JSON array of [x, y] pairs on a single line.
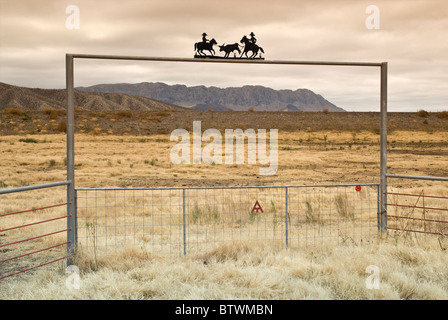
[[246, 48]]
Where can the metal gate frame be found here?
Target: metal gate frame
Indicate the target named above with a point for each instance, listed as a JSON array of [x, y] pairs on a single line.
[[69, 64]]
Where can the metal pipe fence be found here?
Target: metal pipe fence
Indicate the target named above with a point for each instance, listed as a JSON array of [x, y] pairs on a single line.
[[420, 212], [192, 219], [31, 238]]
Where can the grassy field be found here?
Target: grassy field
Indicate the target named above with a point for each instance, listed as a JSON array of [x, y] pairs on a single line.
[[410, 266]]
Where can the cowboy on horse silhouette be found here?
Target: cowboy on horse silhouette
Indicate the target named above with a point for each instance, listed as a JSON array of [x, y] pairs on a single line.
[[249, 45], [204, 45], [204, 38], [252, 38]]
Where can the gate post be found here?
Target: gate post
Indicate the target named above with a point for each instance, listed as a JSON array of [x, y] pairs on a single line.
[[184, 222], [383, 151], [286, 216], [71, 198]]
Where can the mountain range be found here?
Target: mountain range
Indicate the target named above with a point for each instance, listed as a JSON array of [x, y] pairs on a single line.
[[160, 96], [258, 98], [39, 99]]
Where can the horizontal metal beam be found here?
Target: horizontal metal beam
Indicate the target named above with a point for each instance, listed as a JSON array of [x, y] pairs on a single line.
[[234, 187], [35, 187], [211, 60], [404, 176]]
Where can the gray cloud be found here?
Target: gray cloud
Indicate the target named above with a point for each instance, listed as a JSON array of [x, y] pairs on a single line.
[[412, 38]]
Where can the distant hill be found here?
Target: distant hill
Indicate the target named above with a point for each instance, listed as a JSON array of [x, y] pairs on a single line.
[[239, 99], [291, 107], [38, 99], [205, 107]]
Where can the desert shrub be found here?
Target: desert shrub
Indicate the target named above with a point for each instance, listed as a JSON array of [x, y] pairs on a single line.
[[97, 113], [53, 113], [163, 113], [96, 131], [163, 131], [326, 110], [13, 111], [251, 109], [153, 117], [124, 114], [62, 126], [51, 163], [153, 161], [26, 117], [442, 115], [311, 215], [422, 113], [28, 140], [207, 214], [344, 207]]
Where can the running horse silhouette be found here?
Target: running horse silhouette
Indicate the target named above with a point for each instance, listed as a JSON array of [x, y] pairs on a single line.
[[201, 46], [249, 46]]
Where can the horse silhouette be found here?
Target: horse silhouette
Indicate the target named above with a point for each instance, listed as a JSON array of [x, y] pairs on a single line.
[[249, 46], [229, 48], [201, 46]]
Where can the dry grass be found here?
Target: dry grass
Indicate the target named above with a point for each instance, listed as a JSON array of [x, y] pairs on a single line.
[[12, 111], [237, 271], [410, 268], [304, 158]]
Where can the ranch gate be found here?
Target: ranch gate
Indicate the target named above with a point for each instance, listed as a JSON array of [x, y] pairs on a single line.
[[185, 219]]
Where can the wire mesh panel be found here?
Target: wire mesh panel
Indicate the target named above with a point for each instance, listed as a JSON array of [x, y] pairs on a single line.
[[320, 215], [116, 218], [183, 220], [234, 214]]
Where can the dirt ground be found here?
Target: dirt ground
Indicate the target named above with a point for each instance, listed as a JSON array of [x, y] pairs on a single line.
[[17, 122], [133, 149]]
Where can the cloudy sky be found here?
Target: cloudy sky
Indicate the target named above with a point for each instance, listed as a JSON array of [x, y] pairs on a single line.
[[411, 35]]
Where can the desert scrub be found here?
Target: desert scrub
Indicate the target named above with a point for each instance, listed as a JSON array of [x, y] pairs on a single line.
[[442, 115], [151, 162], [28, 140], [51, 163], [53, 113], [124, 114], [62, 126], [343, 206], [312, 215], [204, 214], [422, 113], [163, 113], [153, 117], [12, 111]]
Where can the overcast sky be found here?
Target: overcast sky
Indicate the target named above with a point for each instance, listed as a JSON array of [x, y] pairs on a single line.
[[412, 37]]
